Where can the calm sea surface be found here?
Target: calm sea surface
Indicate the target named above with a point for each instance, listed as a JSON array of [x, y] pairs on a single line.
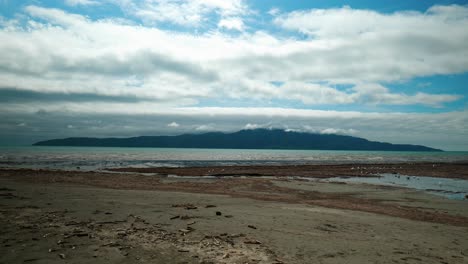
[[95, 158]]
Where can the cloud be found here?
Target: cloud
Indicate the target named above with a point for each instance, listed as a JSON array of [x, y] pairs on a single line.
[[441, 130], [231, 23], [56, 65], [321, 130], [81, 2], [76, 55], [209, 127], [173, 124], [252, 126], [189, 13], [338, 131], [274, 11], [8, 95], [369, 93], [378, 94], [367, 45]]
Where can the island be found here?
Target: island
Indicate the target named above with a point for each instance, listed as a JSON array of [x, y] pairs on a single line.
[[244, 139]]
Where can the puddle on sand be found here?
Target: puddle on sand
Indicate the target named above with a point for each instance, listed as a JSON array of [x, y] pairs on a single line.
[[456, 189]]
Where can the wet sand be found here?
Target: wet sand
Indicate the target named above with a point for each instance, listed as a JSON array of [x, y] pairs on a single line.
[[95, 217], [443, 170]]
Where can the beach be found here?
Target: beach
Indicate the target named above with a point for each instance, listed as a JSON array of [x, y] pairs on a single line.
[[99, 217]]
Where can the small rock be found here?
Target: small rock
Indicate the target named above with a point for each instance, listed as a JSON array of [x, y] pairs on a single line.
[[187, 206], [252, 226], [62, 256], [186, 231], [237, 235], [229, 216], [218, 213], [210, 206], [252, 242], [175, 217]]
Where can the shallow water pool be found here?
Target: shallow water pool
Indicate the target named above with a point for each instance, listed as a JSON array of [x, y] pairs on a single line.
[[456, 189]]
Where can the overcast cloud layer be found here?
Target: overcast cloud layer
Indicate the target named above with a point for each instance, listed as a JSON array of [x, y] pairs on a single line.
[[175, 66]]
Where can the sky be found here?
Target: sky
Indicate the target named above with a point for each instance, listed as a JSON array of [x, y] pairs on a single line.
[[391, 70]]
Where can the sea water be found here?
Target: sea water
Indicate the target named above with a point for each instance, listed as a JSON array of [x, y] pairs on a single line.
[[100, 158], [97, 158]]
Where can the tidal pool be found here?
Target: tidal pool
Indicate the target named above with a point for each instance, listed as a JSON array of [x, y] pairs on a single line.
[[456, 189]]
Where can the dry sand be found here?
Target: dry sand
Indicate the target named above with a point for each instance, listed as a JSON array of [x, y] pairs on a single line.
[[78, 217]]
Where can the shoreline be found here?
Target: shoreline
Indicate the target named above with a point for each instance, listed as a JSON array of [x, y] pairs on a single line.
[[429, 169]]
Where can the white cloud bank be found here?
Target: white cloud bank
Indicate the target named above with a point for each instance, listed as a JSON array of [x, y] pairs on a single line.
[[72, 53], [441, 130], [49, 50], [367, 45]]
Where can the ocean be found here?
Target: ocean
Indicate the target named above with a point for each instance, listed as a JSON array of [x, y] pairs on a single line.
[[98, 158]]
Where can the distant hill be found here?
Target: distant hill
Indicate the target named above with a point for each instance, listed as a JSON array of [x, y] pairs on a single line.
[[244, 139]]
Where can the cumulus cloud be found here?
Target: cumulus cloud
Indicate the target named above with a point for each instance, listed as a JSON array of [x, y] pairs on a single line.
[[74, 54], [173, 124], [378, 46]]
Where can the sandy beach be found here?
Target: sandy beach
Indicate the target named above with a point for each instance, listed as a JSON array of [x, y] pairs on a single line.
[[98, 217]]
